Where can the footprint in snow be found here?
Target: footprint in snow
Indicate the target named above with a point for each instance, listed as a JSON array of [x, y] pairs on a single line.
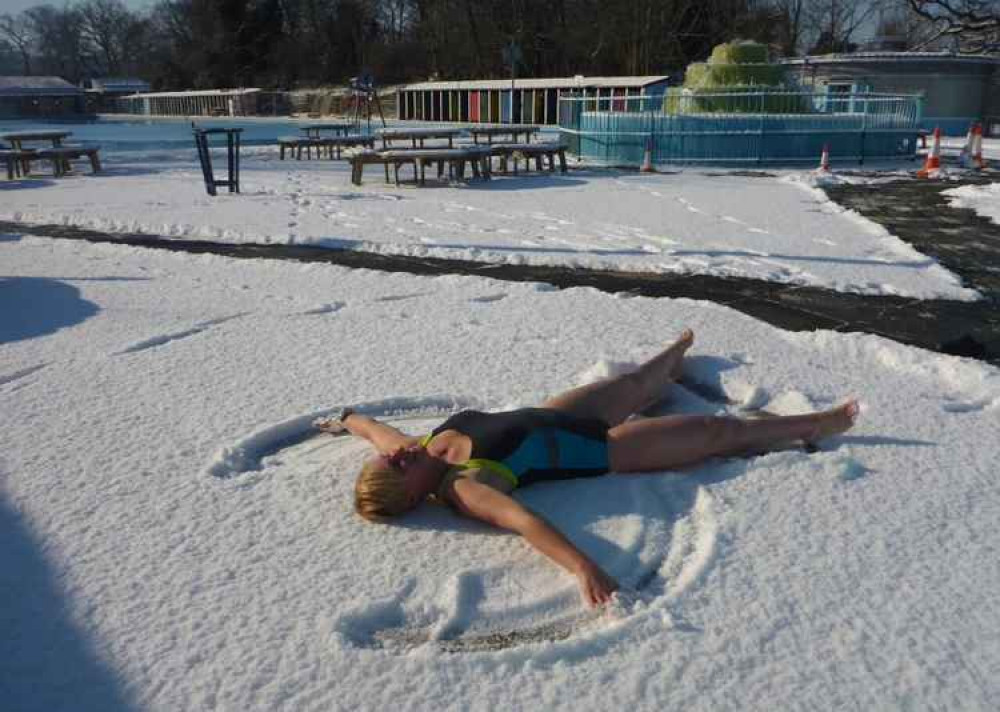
[[401, 297], [956, 406], [331, 308], [23, 373], [163, 339], [488, 298]]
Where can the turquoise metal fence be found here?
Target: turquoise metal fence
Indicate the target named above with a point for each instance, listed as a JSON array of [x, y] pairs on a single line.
[[950, 125], [742, 127]]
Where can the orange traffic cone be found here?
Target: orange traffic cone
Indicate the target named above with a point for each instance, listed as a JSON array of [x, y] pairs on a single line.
[[977, 148], [824, 160], [965, 158], [933, 165], [647, 158]]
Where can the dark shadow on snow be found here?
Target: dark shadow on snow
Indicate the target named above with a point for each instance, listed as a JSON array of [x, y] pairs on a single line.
[[25, 184], [47, 663], [37, 306]]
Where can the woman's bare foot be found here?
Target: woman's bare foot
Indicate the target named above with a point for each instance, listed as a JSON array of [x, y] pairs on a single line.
[[836, 420], [673, 357]]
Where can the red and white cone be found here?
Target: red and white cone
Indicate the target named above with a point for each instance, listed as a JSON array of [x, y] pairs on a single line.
[[824, 160], [933, 165], [647, 158], [965, 158], [977, 148]]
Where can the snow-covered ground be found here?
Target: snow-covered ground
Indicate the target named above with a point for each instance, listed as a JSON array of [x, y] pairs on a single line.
[[176, 538], [693, 221]]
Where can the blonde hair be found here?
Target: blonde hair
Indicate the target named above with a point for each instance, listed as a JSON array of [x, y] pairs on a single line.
[[379, 493]]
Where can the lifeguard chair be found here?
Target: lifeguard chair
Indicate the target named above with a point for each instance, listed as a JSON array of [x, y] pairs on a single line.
[[365, 101]]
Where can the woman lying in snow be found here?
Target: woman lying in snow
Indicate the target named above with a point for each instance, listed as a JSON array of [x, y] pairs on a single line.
[[474, 460]]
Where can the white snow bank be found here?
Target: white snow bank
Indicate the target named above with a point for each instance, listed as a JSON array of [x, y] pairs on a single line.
[[983, 199]]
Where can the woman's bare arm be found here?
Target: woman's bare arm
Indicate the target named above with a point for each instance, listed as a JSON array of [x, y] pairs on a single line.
[[479, 501], [385, 438]]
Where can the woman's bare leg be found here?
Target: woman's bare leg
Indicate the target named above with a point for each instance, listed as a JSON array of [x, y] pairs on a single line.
[[615, 399], [680, 440]]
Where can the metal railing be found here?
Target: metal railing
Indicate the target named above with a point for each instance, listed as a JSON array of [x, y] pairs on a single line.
[[740, 127]]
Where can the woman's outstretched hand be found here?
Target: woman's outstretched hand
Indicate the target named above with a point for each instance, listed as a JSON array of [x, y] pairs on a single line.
[[334, 426], [596, 586]]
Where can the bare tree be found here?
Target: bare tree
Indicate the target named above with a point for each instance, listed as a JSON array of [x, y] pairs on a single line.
[[16, 30], [106, 25], [973, 24], [837, 22], [60, 41], [396, 18], [789, 23]]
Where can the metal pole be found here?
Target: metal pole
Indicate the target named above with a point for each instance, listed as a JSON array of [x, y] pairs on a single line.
[[760, 148], [236, 163], [864, 126], [201, 142], [230, 160]]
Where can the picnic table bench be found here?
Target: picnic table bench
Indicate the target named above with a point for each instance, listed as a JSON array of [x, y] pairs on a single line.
[[513, 131], [17, 139], [537, 151], [62, 155], [478, 158], [18, 162], [417, 136], [334, 145], [337, 128]]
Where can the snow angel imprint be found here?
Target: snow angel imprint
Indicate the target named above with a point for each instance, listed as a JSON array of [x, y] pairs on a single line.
[[474, 460]]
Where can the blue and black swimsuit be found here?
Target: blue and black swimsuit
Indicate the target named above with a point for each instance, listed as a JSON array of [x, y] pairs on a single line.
[[532, 444]]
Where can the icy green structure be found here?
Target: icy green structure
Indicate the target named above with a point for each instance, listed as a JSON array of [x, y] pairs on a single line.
[[738, 79]]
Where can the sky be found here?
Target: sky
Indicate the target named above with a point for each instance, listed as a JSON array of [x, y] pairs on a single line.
[[13, 7]]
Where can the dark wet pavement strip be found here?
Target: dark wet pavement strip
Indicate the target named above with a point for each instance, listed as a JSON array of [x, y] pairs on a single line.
[[914, 211]]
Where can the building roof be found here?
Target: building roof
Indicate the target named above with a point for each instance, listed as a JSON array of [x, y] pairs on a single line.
[[37, 86], [118, 84], [200, 92], [891, 57], [578, 82]]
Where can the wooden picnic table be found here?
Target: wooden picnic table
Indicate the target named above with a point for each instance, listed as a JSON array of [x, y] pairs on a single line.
[[337, 129], [417, 136], [334, 145], [539, 151], [510, 132], [17, 139], [478, 157]]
